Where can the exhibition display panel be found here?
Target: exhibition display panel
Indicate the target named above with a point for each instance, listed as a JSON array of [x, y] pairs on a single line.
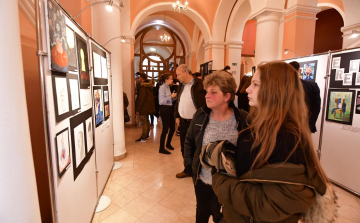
[[77, 101]]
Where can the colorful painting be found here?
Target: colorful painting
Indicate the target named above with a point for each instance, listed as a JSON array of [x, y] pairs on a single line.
[[340, 106], [107, 113], [57, 38], [83, 62], [309, 71], [98, 107], [63, 151]]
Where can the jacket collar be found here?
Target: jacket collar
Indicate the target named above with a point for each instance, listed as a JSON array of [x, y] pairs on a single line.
[[231, 105]]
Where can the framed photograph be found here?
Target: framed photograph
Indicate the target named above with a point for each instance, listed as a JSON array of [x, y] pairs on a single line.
[[106, 96], [106, 102], [61, 96], [83, 62], [62, 151], [348, 79], [308, 70], [357, 107], [89, 135], [336, 62], [357, 78], [100, 70], [104, 69], [74, 92], [98, 106], [79, 139], [57, 38], [107, 113], [71, 49], [339, 76], [340, 106], [354, 66]]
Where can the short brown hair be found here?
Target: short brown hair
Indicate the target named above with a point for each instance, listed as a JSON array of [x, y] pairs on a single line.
[[166, 76], [143, 76], [224, 81]]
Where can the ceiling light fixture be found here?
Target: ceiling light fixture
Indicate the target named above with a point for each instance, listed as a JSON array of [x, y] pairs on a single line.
[[178, 6], [164, 37], [354, 34], [286, 52]]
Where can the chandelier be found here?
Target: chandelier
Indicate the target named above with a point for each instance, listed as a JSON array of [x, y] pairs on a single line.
[[178, 6], [164, 37]]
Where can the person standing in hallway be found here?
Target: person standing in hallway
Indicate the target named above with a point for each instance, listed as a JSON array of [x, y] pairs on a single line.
[[191, 96], [218, 120], [166, 99], [144, 106], [312, 98], [243, 100]]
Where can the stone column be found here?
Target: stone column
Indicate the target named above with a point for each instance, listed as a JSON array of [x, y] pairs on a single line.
[[234, 57], [216, 54], [18, 191], [267, 35], [106, 25]]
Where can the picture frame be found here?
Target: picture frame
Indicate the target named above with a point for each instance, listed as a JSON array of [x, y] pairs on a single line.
[[71, 49], [344, 64], [98, 105], [340, 106], [99, 57], [61, 96], [83, 61], [336, 62], [357, 78], [62, 151], [106, 102], [57, 38], [308, 70], [73, 86], [357, 102]]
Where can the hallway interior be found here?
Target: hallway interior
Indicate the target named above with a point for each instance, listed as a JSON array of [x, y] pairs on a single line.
[[145, 189]]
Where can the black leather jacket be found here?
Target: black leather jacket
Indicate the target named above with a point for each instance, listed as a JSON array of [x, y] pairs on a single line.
[[195, 134]]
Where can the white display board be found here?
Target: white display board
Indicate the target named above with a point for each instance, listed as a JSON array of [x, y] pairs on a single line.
[[341, 144], [76, 197], [320, 80]]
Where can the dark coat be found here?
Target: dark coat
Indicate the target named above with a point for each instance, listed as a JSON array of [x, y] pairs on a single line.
[[145, 100], [243, 101], [264, 195], [313, 101], [197, 94], [195, 134]]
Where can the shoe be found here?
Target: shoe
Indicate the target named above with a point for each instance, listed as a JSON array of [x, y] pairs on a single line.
[[164, 151], [147, 138], [182, 175], [177, 133], [140, 140], [169, 147]]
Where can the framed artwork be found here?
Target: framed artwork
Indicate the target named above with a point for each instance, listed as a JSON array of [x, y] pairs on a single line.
[[308, 70], [79, 138], [85, 96], [339, 76], [347, 79], [357, 107], [345, 66], [71, 49], [354, 66], [61, 96], [98, 106], [106, 102], [57, 38], [340, 106], [210, 67], [100, 71], [83, 62], [74, 92], [89, 135], [104, 69], [357, 78], [336, 63], [62, 151]]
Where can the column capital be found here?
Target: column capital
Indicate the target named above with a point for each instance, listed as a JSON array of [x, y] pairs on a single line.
[[347, 30], [214, 45], [234, 45], [267, 14], [303, 9]]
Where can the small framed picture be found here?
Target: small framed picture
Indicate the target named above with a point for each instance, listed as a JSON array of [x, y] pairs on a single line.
[[348, 79], [357, 108], [357, 78], [339, 76], [340, 106], [62, 151], [354, 66], [336, 63]]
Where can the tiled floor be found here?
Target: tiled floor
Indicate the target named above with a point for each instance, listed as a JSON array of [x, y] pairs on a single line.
[[145, 189]]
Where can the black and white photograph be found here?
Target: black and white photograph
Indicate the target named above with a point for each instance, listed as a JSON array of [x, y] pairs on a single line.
[[354, 66], [347, 79], [339, 76], [336, 62], [63, 151]]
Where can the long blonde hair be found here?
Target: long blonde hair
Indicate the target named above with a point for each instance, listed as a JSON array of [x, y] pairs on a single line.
[[281, 106]]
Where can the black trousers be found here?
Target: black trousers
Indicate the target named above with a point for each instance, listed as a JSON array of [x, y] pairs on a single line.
[[168, 122], [206, 203], [184, 126]]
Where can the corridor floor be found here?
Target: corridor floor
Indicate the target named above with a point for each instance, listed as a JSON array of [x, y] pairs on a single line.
[[145, 189]]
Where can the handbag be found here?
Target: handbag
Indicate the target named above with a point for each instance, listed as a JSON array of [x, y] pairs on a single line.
[[126, 116]]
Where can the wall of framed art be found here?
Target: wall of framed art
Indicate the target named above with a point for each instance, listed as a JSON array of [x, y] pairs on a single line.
[[81, 154], [341, 132]]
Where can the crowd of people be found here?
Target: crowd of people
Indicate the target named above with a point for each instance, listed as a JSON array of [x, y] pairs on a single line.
[[254, 162]]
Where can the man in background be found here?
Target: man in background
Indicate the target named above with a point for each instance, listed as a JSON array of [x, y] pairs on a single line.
[[312, 98], [191, 96]]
